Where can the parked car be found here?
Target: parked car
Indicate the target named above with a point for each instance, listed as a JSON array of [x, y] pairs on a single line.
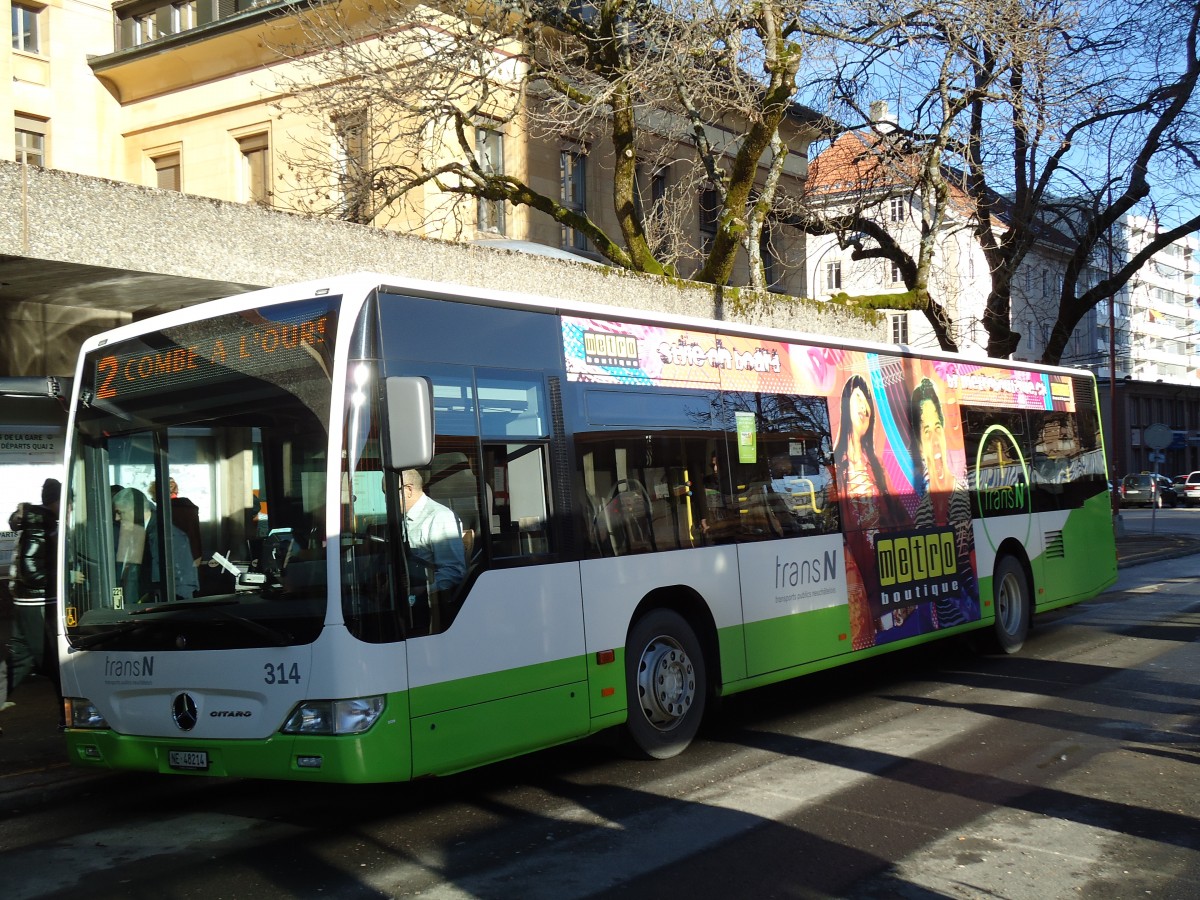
[[1147, 489], [1189, 488]]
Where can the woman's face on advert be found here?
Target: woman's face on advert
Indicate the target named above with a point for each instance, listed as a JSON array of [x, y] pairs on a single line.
[[860, 412]]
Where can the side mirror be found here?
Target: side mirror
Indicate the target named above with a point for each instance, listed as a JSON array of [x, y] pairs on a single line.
[[409, 422]]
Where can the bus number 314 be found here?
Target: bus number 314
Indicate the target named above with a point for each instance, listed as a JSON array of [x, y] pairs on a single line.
[[281, 673]]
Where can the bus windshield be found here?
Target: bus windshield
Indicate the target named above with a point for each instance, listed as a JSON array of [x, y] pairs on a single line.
[[196, 486]]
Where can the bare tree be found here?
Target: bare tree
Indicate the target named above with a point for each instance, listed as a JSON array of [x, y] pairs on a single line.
[[1027, 115], [939, 62], [706, 89], [1150, 136]]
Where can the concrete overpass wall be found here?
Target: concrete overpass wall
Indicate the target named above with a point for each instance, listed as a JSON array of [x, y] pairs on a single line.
[[79, 254]]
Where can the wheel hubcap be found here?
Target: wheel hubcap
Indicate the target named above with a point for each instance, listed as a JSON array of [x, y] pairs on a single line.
[[1006, 603], [666, 683]]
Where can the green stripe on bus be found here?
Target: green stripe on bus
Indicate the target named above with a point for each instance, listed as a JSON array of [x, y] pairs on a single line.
[[793, 640], [477, 689]]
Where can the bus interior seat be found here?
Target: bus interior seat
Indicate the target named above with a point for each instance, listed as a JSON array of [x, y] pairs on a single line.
[[629, 519]]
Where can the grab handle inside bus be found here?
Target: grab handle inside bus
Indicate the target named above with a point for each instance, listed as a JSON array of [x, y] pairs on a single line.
[[410, 422]]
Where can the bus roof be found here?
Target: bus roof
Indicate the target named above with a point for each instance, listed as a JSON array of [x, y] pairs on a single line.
[[359, 285]]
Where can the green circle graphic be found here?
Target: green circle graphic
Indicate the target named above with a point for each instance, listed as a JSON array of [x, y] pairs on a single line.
[[1024, 471]]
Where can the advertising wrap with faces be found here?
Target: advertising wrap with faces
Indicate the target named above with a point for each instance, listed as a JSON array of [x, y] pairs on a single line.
[[900, 469]]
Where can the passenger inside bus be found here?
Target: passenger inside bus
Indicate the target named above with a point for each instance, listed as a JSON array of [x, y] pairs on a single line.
[[436, 558], [185, 515], [139, 569]]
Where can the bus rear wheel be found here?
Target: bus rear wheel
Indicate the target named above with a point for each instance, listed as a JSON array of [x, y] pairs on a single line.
[[666, 683], [1010, 589]]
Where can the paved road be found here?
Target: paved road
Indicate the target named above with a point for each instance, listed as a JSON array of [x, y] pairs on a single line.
[[1071, 770]]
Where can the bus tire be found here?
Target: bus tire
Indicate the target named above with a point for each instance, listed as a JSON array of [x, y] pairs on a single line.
[[666, 683], [1010, 593]]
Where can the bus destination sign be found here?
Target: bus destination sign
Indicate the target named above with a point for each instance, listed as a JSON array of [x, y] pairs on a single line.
[[253, 344]]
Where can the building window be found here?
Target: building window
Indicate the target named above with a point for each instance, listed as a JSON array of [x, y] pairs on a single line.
[[894, 274], [168, 172], [899, 328], [353, 167], [896, 209], [256, 168], [184, 15], [833, 275], [25, 28], [970, 266], [30, 141], [489, 147], [572, 170], [145, 27]]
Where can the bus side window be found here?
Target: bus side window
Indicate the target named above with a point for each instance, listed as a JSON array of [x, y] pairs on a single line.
[[454, 484], [645, 492], [1001, 462], [782, 480], [519, 515], [514, 423]]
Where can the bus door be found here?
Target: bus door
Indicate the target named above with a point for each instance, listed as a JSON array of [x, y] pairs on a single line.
[[495, 641]]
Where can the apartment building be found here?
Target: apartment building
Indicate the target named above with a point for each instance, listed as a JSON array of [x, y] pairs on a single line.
[[851, 174], [1154, 343], [62, 115], [1156, 315]]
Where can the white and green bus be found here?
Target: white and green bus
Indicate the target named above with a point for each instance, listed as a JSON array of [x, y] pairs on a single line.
[[371, 529]]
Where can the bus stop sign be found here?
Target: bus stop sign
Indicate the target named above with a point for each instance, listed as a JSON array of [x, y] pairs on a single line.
[[1158, 436]]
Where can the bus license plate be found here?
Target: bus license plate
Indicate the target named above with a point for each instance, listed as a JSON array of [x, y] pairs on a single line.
[[187, 759]]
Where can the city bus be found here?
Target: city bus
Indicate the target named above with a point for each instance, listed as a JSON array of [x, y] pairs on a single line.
[[371, 529]]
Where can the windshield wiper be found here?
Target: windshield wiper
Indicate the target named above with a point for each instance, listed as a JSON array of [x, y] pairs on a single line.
[[152, 608], [278, 638], [88, 641]]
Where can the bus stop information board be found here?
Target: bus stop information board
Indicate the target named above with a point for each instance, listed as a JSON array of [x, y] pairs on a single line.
[[28, 456]]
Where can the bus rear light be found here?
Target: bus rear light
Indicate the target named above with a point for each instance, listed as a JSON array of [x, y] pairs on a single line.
[[79, 712], [309, 762], [352, 716]]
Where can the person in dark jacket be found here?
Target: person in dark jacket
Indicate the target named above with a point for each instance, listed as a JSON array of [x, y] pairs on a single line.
[[33, 646]]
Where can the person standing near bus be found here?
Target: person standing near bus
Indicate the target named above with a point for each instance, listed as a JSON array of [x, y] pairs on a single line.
[[436, 556], [35, 593]]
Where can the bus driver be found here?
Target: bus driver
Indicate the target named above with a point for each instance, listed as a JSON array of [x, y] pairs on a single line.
[[436, 557]]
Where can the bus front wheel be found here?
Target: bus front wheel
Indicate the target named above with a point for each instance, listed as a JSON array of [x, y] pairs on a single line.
[[1010, 588], [666, 683]]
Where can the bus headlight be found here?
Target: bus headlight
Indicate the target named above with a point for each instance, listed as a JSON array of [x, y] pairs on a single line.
[[334, 716], [79, 712]]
